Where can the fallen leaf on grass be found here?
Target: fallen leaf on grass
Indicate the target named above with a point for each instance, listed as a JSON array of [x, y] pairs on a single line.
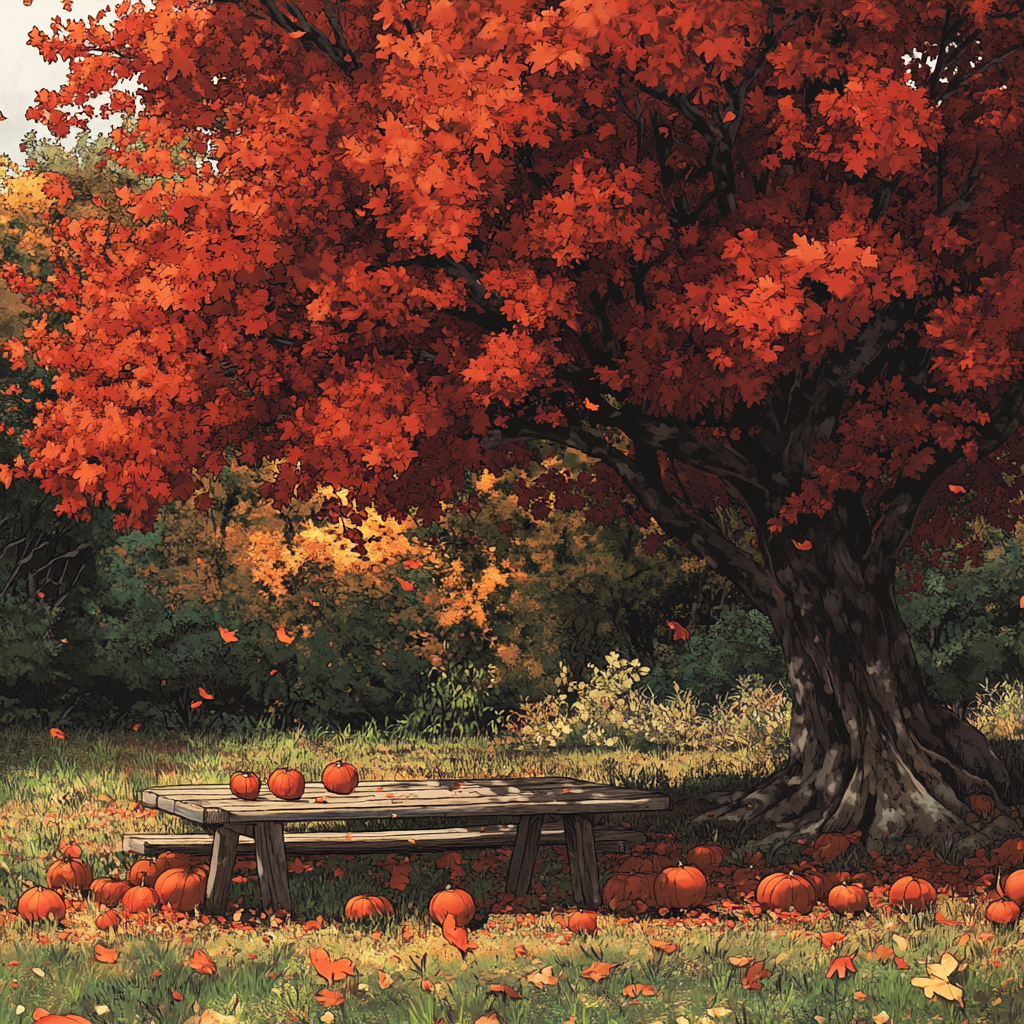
[[637, 989], [201, 963], [598, 971], [937, 983], [328, 997], [384, 980], [328, 969], [106, 956], [543, 977], [841, 965], [457, 936], [504, 990], [665, 947]]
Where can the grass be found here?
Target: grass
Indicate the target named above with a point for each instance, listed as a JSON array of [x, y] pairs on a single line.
[[85, 788]]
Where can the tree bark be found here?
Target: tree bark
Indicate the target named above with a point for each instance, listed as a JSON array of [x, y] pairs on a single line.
[[869, 749]]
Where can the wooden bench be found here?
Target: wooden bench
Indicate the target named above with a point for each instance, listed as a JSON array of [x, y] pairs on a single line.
[[607, 838]]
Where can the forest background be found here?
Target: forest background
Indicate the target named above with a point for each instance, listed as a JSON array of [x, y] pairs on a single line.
[[239, 613]]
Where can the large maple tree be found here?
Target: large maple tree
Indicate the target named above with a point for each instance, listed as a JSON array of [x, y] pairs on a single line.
[[734, 250]]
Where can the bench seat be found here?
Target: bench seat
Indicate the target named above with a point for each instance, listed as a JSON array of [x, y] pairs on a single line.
[[606, 838]]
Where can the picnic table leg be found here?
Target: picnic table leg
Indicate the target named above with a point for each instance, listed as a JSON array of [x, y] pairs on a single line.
[[582, 856], [222, 865], [524, 854], [272, 865]]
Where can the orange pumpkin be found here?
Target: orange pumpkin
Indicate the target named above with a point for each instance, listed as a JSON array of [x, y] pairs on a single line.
[[782, 891], [707, 857], [637, 864], [69, 873], [70, 850], [621, 889], [37, 904], [65, 1018], [138, 898], [170, 859], [680, 887], [456, 902], [245, 785], [1002, 912], [360, 907], [848, 899], [183, 888], [1013, 887], [340, 777], [108, 919], [910, 892], [583, 921], [108, 891], [286, 783], [143, 871], [981, 803]]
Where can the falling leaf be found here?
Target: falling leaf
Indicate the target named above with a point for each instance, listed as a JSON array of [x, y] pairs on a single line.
[[137, 726], [841, 965], [204, 694], [227, 636], [285, 638], [405, 584], [957, 489], [196, 704], [57, 734], [678, 632], [106, 956], [201, 962], [804, 545], [328, 969]]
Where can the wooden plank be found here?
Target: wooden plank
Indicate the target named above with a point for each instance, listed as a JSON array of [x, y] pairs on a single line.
[[524, 854], [582, 856], [609, 839], [224, 849], [272, 865], [214, 804]]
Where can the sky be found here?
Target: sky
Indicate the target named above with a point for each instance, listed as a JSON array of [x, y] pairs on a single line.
[[25, 71]]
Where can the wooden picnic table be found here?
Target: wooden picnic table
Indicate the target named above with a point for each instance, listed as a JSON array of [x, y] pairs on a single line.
[[227, 818]]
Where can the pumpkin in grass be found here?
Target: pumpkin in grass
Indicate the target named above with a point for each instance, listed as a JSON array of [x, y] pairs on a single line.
[[623, 888], [39, 903], [848, 899], [456, 902], [707, 857], [69, 871], [286, 783], [1012, 888], [1002, 912], [583, 921], [786, 891], [912, 893], [360, 907], [138, 898], [680, 887], [245, 785], [170, 859], [108, 919], [61, 1018], [340, 777], [108, 891], [143, 871], [183, 888]]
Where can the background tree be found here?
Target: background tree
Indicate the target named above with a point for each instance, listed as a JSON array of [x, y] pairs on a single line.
[[729, 252]]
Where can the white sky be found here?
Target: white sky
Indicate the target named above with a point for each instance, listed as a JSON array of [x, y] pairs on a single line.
[[25, 71]]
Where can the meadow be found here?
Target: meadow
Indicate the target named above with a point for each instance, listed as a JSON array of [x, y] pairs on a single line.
[[727, 960]]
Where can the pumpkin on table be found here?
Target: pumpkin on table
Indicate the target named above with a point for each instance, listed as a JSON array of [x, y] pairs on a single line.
[[245, 785], [456, 902], [340, 777], [39, 903], [286, 783]]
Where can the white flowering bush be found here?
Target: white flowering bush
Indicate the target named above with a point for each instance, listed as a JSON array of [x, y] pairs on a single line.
[[608, 711]]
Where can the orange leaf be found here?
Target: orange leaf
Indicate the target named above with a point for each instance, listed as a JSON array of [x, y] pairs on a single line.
[[543, 977], [384, 980], [957, 489], [204, 694], [201, 962], [328, 997], [284, 637], [405, 584], [665, 947], [458, 937], [637, 989], [196, 704], [328, 969], [57, 734], [755, 972], [227, 636], [678, 632], [804, 545], [829, 939], [504, 990], [106, 956], [412, 563], [598, 971], [841, 965], [176, 996]]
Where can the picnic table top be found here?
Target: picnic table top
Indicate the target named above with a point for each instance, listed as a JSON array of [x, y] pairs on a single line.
[[214, 804]]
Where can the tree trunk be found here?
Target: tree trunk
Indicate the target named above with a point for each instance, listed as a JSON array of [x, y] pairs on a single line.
[[869, 749]]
